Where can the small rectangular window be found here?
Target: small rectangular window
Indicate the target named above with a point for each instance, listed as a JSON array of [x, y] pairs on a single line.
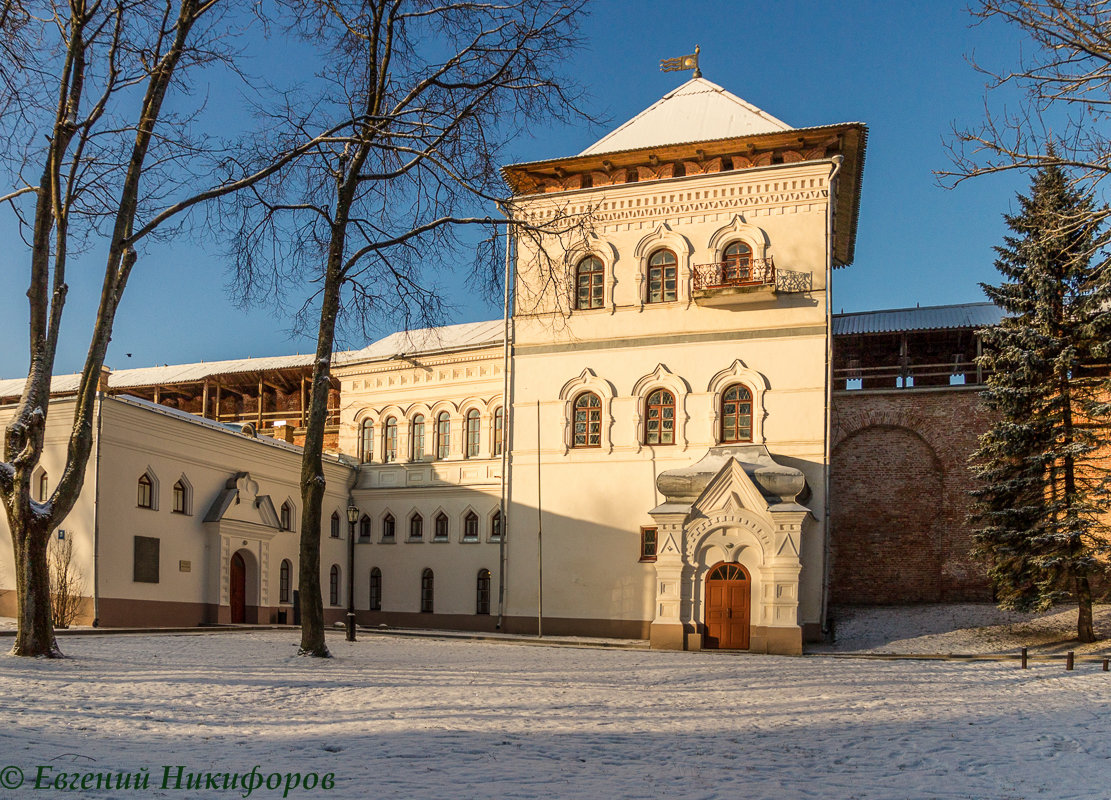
[[146, 559], [648, 544]]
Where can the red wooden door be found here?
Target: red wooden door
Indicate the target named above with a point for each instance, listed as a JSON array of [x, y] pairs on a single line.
[[238, 589], [727, 607]]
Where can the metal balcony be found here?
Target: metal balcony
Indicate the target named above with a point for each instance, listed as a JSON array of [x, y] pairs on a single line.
[[750, 281]]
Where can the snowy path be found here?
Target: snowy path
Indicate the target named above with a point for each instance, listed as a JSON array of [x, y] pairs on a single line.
[[414, 718]]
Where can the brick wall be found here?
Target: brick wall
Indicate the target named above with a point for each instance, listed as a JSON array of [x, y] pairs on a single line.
[[899, 495]]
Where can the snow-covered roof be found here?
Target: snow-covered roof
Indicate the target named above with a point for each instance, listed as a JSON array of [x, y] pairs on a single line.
[[928, 318], [699, 110], [422, 340], [446, 338], [166, 374]]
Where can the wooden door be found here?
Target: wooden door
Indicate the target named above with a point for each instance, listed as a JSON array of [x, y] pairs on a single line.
[[238, 589], [727, 607]]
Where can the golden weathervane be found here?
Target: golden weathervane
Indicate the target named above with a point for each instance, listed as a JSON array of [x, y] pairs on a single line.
[[682, 63]]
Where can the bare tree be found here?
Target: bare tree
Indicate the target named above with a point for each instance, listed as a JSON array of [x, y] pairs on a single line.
[[432, 91], [95, 158], [1065, 87], [67, 584]]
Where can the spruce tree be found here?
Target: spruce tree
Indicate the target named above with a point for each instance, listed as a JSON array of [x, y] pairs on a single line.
[[1041, 503]]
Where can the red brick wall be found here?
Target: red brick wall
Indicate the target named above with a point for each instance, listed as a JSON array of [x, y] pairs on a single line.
[[899, 497]]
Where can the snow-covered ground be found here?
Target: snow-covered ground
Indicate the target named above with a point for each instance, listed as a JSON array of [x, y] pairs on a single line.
[[396, 717], [965, 628]]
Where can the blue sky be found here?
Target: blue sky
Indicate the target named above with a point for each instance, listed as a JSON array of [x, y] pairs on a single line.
[[902, 68]]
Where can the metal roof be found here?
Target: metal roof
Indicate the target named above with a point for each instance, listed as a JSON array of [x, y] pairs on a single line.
[[699, 110], [928, 318]]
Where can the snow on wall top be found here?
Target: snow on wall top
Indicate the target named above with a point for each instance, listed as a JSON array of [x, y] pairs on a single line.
[[697, 111], [929, 318], [429, 340]]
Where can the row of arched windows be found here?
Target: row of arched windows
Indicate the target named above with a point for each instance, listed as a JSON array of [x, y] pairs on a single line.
[[428, 591], [735, 417], [147, 493], [662, 285], [427, 588], [471, 441], [441, 527]]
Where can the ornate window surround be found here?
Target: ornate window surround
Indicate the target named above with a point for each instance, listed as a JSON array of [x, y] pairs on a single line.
[[405, 447], [663, 238], [739, 231], [754, 381], [149, 474], [587, 381], [187, 496], [573, 256], [661, 378]]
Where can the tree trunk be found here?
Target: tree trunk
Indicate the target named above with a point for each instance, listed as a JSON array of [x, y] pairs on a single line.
[[1084, 631], [313, 482], [35, 627]]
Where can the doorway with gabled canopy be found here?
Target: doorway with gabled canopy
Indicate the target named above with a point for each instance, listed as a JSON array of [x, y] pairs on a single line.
[[727, 607]]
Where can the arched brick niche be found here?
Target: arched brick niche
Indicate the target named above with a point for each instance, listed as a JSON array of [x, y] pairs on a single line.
[[899, 498], [887, 545]]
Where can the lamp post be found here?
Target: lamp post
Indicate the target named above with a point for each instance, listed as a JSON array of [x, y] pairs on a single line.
[[352, 518]]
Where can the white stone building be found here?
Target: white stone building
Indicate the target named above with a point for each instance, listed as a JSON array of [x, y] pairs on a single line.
[[667, 424]]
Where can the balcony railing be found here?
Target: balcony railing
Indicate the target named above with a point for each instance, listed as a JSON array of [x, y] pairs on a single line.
[[746, 274], [909, 376], [754, 272]]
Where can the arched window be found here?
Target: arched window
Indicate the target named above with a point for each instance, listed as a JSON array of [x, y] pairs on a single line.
[[663, 277], [439, 529], [482, 599], [388, 527], [333, 585], [589, 276], [364, 527], [44, 487], [389, 440], [284, 579], [473, 427], [587, 431], [443, 435], [470, 527], [495, 526], [335, 524], [366, 441], [426, 591], [376, 589], [736, 414], [146, 491], [499, 431], [286, 516], [416, 527], [416, 439], [659, 418], [179, 497], [738, 263]]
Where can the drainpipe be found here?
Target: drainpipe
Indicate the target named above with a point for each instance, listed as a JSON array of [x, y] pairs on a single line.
[[836, 163], [507, 411], [102, 390]]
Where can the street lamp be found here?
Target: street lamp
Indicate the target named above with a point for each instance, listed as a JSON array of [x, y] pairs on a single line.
[[352, 518]]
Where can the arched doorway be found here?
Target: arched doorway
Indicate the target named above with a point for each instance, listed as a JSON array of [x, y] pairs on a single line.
[[728, 603], [238, 589]]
